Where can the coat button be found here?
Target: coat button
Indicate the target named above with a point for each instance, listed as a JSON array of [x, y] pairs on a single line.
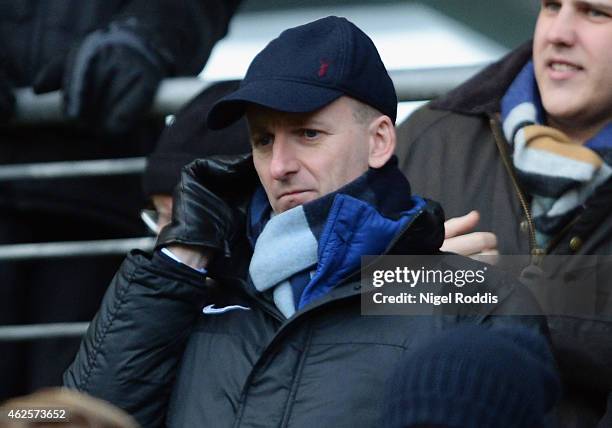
[[575, 243], [524, 226]]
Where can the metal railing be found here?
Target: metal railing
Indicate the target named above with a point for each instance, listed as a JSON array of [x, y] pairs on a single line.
[[410, 85], [31, 109], [47, 250], [171, 95], [47, 170], [20, 333]]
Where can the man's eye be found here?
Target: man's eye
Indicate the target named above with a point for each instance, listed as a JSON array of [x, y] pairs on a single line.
[[594, 13], [311, 133], [260, 141], [551, 6]]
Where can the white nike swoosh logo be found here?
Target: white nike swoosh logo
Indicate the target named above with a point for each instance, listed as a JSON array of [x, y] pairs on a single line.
[[210, 309]]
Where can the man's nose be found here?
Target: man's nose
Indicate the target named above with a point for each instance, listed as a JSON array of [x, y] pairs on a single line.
[[562, 29], [284, 161]]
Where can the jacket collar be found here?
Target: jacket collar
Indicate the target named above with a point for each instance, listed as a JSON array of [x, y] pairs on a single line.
[[386, 189], [482, 93]]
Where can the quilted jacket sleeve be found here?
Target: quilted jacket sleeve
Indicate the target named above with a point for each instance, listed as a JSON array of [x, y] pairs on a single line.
[[131, 351]]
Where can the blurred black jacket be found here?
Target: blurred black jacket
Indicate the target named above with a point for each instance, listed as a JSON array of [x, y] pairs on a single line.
[[35, 33]]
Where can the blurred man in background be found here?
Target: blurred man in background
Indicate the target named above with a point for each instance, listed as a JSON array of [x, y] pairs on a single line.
[[108, 58], [528, 144]]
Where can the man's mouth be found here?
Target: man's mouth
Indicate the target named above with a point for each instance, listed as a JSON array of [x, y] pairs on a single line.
[[292, 193], [290, 199], [561, 70], [563, 66]]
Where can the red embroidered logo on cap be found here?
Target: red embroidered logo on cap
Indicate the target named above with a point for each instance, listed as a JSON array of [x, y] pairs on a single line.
[[323, 68]]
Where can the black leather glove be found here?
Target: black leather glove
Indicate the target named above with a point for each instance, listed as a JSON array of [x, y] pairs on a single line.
[[7, 99], [210, 203], [109, 79]]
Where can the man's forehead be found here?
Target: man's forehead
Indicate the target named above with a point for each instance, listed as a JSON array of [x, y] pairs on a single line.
[[264, 117]]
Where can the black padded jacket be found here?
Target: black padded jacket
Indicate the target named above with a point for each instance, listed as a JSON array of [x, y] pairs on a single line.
[[153, 351]]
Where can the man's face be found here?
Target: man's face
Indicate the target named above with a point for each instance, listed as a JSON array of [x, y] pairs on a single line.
[[303, 156], [572, 52]]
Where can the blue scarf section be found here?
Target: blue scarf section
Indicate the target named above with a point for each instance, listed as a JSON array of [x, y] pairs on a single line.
[[304, 252], [558, 173]]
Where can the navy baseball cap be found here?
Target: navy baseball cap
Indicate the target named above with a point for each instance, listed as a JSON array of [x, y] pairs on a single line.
[[308, 67]]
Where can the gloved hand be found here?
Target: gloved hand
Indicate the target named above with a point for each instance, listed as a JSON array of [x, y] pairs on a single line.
[[7, 99], [210, 203], [109, 79]]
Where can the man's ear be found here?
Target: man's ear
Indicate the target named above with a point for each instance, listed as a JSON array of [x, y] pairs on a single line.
[[382, 141]]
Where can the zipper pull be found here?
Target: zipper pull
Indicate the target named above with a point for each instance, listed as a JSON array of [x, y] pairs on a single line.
[[537, 255]]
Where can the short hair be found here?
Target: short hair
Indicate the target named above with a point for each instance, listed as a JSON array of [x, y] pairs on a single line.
[[364, 113]]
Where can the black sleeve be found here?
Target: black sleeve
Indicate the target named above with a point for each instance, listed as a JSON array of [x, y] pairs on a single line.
[[184, 30], [131, 351]]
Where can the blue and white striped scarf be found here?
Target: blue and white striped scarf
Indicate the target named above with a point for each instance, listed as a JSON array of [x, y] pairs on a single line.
[[557, 172], [302, 253]]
